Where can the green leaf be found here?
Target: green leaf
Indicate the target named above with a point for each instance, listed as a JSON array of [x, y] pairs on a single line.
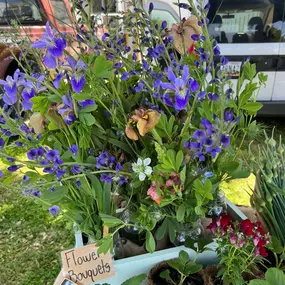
[[259, 282], [102, 68], [87, 119], [40, 104], [97, 187], [105, 244], [150, 242], [192, 268], [66, 155], [107, 198], [110, 221], [165, 275], [162, 230], [136, 280], [175, 264], [180, 213], [275, 276], [121, 145], [252, 107], [230, 166], [249, 71], [54, 197], [88, 109], [282, 256], [179, 160], [183, 257]]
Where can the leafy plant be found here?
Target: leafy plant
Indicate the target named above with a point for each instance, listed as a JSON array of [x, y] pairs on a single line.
[[183, 265], [273, 276]]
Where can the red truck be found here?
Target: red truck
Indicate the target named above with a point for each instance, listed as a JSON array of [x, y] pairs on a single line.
[[31, 16]]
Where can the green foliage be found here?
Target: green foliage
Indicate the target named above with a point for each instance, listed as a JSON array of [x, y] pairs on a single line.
[[273, 276], [136, 280], [102, 67]]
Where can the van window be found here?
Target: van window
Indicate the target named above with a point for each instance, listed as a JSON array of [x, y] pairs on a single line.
[[108, 5], [60, 12], [246, 21], [22, 11], [163, 15]]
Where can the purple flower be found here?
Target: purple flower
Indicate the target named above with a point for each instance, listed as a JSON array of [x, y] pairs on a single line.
[[118, 65], [194, 85], [179, 87], [14, 168], [73, 149], [199, 134], [17, 143], [204, 57], [119, 167], [56, 82], [225, 140], [213, 96], [36, 193], [184, 6], [105, 160], [217, 51], [1, 174], [224, 60], [208, 174], [52, 155], [207, 6], [54, 45], [106, 178], [228, 116], [27, 95], [201, 95], [60, 173], [86, 103], [26, 178], [76, 169], [125, 76], [32, 154], [77, 83], [150, 9], [195, 37], [163, 25], [123, 180], [11, 159], [2, 142], [67, 111], [54, 210], [10, 87], [140, 87], [213, 151]]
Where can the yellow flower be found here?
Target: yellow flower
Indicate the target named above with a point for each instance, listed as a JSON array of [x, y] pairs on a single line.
[[145, 121]]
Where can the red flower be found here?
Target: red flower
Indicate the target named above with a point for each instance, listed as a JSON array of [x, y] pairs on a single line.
[[260, 229], [247, 227], [191, 49], [213, 226], [225, 222]]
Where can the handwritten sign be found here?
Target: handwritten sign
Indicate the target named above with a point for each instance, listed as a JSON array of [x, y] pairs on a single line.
[[83, 265]]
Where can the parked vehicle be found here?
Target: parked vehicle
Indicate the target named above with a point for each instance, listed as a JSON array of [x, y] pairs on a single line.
[[243, 28], [31, 16]]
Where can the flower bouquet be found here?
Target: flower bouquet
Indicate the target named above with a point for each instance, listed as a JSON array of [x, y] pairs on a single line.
[[132, 130]]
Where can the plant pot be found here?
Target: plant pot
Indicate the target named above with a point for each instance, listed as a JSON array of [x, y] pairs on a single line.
[[154, 278], [217, 206]]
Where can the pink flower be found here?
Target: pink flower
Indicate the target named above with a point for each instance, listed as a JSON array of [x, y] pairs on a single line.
[[153, 193], [169, 183], [233, 238], [241, 243], [256, 240]]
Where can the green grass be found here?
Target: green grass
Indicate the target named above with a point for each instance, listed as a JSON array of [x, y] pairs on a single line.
[[30, 241]]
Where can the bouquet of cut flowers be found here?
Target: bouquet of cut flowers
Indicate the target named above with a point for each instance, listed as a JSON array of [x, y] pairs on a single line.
[[143, 117]]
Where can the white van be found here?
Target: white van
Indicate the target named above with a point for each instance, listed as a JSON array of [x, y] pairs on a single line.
[[243, 28]]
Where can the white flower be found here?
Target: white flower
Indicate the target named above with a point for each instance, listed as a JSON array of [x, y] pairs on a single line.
[[142, 168]]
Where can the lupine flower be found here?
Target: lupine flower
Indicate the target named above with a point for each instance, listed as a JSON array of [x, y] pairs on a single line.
[[53, 43], [123, 180], [107, 178], [105, 160], [86, 103], [57, 80], [1, 174], [54, 210], [151, 6], [142, 168], [77, 82], [10, 87], [76, 169], [73, 149], [2, 142], [14, 168]]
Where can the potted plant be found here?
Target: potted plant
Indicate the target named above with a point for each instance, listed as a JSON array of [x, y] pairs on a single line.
[[107, 130], [241, 247]]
